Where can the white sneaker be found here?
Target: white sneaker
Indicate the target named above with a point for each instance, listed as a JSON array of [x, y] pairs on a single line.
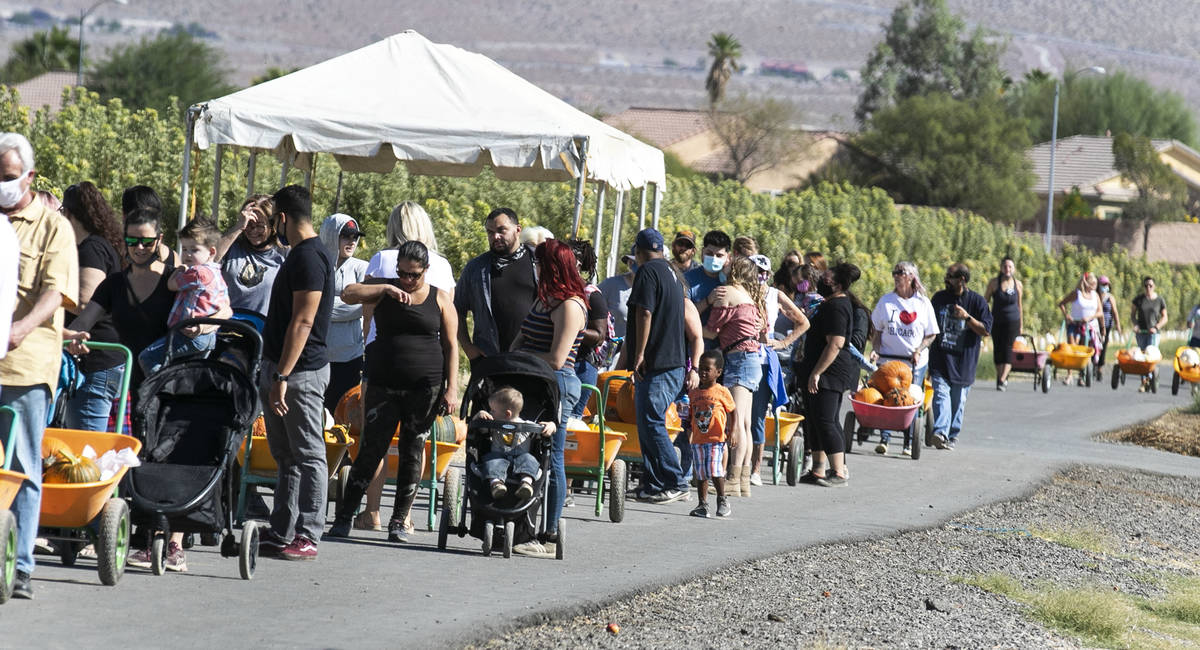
[[755, 479]]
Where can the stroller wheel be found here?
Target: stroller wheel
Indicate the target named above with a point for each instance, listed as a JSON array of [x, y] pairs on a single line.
[[158, 558], [509, 528], [248, 555], [487, 538]]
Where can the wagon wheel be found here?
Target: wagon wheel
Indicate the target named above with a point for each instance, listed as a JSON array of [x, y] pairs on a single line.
[[1116, 377], [848, 430], [1087, 375], [914, 432], [618, 484], [1175, 384], [1154, 383], [8, 554], [1045, 381], [559, 544], [928, 433], [68, 551], [112, 544], [795, 452], [452, 494], [444, 527]]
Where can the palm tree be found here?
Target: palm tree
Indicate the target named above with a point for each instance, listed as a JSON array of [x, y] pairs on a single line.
[[42, 52], [725, 51]]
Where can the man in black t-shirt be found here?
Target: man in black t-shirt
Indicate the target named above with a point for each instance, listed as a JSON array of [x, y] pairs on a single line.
[[498, 287], [656, 354], [294, 376], [964, 318]]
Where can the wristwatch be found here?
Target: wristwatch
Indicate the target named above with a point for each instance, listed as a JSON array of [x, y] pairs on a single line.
[[278, 377]]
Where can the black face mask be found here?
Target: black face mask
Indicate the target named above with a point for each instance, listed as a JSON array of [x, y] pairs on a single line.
[[824, 288], [282, 236]]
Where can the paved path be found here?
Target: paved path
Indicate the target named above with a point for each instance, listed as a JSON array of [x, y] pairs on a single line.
[[366, 593]]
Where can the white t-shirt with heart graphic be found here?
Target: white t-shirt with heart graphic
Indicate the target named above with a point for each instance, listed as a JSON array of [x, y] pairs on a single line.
[[903, 323]]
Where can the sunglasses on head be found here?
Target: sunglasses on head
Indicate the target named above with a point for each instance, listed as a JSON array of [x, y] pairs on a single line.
[[140, 242]]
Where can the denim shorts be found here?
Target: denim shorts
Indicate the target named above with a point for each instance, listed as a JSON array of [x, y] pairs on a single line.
[[742, 369]]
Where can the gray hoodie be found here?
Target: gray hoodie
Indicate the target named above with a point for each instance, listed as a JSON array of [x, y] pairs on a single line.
[[345, 339]]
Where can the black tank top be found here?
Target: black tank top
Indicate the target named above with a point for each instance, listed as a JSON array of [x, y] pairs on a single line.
[[407, 351], [1004, 303]]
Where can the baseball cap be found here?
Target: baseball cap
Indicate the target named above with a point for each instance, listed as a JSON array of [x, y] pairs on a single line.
[[685, 235], [1104, 279], [350, 229], [649, 239], [762, 262]]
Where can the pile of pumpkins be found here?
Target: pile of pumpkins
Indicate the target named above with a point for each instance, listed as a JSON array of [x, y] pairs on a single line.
[[61, 465], [891, 385], [1021, 345], [620, 406]]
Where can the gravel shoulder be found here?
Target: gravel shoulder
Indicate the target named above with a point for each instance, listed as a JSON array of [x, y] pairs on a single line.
[[1087, 528]]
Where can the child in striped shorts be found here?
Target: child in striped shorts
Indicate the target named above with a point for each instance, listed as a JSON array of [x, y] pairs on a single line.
[[711, 404]]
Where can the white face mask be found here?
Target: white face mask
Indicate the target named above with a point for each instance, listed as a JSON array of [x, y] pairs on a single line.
[[11, 192]]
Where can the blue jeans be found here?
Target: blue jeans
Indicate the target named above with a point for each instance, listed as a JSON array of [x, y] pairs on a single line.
[[652, 395], [88, 410], [31, 404], [497, 466], [568, 391], [949, 402], [1146, 339], [587, 374], [155, 354], [917, 380], [761, 406]]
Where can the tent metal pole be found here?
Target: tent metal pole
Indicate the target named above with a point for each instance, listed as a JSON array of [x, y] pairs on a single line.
[[188, 140], [216, 200], [250, 171], [615, 246], [308, 175], [283, 174], [337, 196], [657, 203], [581, 161], [599, 216], [642, 212]]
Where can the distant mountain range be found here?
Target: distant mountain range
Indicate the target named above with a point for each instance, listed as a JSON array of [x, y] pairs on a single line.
[[604, 56]]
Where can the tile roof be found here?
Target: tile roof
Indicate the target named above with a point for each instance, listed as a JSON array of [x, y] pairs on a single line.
[[45, 90], [661, 127], [1084, 161]]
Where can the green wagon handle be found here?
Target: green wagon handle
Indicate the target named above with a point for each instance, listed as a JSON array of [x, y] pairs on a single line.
[[599, 417], [98, 345], [11, 437]]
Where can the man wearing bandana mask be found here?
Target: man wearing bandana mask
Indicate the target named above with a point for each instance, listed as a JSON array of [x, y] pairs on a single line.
[[47, 281], [498, 287]]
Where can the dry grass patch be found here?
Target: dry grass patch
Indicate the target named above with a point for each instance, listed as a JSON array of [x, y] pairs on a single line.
[[1177, 432]]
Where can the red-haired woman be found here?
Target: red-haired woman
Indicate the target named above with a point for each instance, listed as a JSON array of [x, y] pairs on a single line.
[[553, 330]]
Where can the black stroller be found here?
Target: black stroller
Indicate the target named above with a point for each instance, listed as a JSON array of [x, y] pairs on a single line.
[[191, 417], [508, 520]]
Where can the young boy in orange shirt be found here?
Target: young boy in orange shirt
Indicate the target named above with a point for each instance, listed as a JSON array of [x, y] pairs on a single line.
[[711, 404]]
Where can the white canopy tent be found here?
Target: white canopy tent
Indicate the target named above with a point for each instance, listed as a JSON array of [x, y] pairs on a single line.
[[439, 109]]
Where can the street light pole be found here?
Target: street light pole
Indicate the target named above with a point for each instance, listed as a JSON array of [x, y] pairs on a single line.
[[1053, 148], [82, 17]]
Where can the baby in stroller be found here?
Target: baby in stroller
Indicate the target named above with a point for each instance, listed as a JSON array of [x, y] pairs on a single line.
[[509, 457]]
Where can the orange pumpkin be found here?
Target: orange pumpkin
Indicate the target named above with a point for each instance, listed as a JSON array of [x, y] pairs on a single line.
[[870, 395], [610, 410], [892, 375], [349, 411], [626, 410], [1020, 345], [68, 468], [50, 448], [898, 397]]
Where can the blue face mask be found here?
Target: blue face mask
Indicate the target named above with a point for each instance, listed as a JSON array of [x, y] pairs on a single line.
[[633, 267], [713, 264]]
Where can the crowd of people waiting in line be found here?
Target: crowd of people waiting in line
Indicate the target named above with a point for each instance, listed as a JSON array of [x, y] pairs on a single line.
[[708, 325]]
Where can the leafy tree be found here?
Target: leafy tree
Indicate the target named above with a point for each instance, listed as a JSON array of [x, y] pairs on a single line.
[[152, 72], [757, 134], [725, 51], [40, 53], [1073, 206], [1161, 193], [1091, 104], [924, 50], [942, 151]]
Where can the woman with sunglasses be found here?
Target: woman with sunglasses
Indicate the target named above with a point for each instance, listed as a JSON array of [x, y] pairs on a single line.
[[903, 326], [416, 328], [98, 234], [250, 256]]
